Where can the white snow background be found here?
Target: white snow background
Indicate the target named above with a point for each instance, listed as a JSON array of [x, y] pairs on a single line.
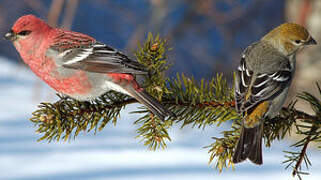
[[113, 153]]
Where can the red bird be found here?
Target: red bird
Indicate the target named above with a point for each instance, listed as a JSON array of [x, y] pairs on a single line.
[[77, 65]]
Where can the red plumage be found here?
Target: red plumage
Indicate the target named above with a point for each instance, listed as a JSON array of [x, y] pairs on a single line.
[[77, 65]]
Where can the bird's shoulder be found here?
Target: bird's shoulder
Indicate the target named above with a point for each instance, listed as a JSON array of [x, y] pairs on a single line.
[[262, 57], [62, 40]]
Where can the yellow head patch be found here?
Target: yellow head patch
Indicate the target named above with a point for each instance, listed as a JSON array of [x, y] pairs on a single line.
[[293, 31], [289, 31]]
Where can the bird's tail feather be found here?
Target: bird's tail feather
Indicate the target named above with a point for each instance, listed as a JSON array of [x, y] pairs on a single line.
[[249, 145], [151, 103]]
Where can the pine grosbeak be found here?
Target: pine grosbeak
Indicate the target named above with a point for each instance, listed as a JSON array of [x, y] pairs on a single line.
[[77, 65], [262, 83]]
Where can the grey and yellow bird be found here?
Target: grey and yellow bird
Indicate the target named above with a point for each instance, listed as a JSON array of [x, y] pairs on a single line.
[[262, 82]]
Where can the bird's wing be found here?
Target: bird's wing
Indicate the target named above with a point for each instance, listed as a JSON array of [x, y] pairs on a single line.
[[252, 89], [79, 51]]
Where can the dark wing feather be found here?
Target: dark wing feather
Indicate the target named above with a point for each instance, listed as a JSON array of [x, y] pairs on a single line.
[[101, 58], [242, 83], [265, 87]]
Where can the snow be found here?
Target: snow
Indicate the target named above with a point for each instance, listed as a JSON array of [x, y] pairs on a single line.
[[113, 153]]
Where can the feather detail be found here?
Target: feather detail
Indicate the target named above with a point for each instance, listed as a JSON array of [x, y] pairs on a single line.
[[79, 51], [257, 84]]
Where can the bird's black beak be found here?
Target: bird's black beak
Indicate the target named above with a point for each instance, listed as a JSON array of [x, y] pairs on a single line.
[[10, 36], [311, 41]]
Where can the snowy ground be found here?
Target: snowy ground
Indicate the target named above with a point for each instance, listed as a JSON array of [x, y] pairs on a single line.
[[113, 153]]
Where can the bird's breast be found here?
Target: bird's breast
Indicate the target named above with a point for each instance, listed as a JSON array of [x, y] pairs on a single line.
[[63, 80]]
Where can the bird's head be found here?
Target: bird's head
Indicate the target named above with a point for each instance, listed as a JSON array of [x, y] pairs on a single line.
[[26, 27], [288, 38]]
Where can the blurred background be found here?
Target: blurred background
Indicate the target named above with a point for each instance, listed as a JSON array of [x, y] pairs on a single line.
[[208, 37]]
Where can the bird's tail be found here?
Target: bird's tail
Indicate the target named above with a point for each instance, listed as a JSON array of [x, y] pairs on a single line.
[[151, 103], [249, 145]]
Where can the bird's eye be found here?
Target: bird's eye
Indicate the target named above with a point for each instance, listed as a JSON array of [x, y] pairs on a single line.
[[298, 41], [24, 33]]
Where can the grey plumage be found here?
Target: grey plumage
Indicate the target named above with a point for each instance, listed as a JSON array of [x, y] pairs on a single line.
[[263, 75]]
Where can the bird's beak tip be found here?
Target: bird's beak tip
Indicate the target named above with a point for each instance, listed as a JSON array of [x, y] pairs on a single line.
[[9, 36], [312, 41]]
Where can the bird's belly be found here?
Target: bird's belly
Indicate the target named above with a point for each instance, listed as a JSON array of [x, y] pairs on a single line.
[[74, 83], [99, 84], [77, 85]]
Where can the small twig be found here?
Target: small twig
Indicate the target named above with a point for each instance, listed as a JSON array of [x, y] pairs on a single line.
[[302, 115], [214, 104], [301, 157]]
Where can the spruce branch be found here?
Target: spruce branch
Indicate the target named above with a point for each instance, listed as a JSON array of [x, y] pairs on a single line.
[[66, 116], [153, 131], [153, 55], [223, 148], [196, 103], [310, 128], [199, 104]]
